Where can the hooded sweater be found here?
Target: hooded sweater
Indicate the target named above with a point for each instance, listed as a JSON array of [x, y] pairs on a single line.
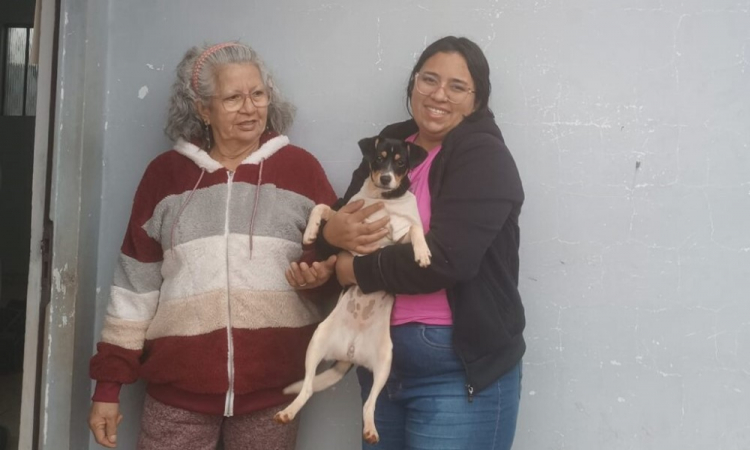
[[476, 199], [200, 307]]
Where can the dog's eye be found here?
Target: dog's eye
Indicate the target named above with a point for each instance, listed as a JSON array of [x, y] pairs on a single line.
[[379, 159], [400, 163]]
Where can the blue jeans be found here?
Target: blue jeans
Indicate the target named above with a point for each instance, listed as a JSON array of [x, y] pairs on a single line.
[[425, 405]]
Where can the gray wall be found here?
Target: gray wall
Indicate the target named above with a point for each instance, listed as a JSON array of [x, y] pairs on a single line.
[[629, 123], [92, 91]]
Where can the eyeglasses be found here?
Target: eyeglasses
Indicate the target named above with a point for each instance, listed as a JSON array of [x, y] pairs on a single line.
[[259, 98], [427, 84]]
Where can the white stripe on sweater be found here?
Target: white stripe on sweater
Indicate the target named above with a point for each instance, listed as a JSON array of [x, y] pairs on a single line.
[[199, 266], [129, 305]]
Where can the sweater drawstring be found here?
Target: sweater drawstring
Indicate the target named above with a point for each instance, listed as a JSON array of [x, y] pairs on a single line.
[[182, 207], [255, 206]]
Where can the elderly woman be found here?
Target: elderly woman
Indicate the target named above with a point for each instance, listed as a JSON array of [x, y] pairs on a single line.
[[457, 326], [201, 307]]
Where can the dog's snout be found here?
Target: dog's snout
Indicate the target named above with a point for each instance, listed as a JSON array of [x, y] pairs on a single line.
[[385, 179]]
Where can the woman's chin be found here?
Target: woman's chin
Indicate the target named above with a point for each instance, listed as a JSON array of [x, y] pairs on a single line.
[[247, 137]]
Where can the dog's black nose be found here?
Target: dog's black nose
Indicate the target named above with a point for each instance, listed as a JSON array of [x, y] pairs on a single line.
[[385, 179]]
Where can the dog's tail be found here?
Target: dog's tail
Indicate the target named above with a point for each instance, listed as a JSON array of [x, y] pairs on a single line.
[[323, 380]]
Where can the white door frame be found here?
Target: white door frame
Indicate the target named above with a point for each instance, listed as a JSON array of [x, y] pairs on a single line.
[[66, 201], [38, 290], [45, 34]]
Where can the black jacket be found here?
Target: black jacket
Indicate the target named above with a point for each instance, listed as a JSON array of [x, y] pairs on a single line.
[[474, 236]]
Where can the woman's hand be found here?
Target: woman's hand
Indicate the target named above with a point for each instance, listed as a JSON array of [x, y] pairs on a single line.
[[345, 269], [103, 421], [347, 229], [306, 276]]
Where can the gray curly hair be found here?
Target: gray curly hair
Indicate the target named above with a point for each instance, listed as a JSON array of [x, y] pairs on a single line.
[[184, 121]]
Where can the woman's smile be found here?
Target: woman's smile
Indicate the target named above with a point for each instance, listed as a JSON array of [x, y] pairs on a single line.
[[436, 112]]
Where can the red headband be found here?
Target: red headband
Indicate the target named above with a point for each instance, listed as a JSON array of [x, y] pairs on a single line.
[[202, 60]]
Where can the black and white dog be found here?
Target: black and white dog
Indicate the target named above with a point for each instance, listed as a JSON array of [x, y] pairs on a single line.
[[358, 329]]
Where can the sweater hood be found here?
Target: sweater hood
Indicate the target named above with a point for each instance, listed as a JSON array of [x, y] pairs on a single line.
[[201, 158], [482, 121]]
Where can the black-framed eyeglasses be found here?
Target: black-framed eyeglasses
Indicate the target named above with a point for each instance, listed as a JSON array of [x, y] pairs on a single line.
[[455, 91]]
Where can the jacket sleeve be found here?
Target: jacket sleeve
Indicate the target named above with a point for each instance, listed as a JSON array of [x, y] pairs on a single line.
[[133, 299], [479, 190]]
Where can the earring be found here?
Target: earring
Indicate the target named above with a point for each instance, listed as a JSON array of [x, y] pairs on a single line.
[[207, 135]]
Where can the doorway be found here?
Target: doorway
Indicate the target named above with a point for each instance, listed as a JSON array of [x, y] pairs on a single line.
[[18, 82]]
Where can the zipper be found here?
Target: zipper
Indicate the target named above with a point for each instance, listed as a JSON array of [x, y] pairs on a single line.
[[229, 401], [469, 386]]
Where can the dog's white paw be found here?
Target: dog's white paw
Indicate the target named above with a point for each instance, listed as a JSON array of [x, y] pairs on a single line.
[[311, 233], [283, 417], [371, 436], [422, 256]]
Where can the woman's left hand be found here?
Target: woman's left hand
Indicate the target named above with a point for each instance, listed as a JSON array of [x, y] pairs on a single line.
[[345, 269], [309, 276]]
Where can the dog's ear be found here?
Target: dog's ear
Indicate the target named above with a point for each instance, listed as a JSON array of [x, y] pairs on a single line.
[[416, 154], [368, 145]]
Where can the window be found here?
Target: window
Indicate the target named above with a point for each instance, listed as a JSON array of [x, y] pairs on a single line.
[[19, 76]]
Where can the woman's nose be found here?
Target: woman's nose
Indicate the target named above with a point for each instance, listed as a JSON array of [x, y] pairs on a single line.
[[247, 105], [439, 93]]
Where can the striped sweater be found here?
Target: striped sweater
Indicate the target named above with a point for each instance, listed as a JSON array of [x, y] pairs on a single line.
[[200, 307]]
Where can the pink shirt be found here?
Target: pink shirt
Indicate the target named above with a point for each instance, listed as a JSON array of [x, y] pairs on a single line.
[[429, 308]]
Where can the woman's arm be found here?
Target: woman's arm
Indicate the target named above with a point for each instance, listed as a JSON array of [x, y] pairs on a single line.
[[347, 228], [311, 275], [133, 297], [480, 188]]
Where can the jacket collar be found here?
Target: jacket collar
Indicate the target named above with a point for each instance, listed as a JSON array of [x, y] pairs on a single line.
[[201, 159]]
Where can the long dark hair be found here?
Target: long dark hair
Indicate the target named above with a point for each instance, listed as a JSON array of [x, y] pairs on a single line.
[[475, 60]]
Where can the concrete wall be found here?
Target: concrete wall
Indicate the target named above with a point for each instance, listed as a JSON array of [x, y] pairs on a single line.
[[629, 124]]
